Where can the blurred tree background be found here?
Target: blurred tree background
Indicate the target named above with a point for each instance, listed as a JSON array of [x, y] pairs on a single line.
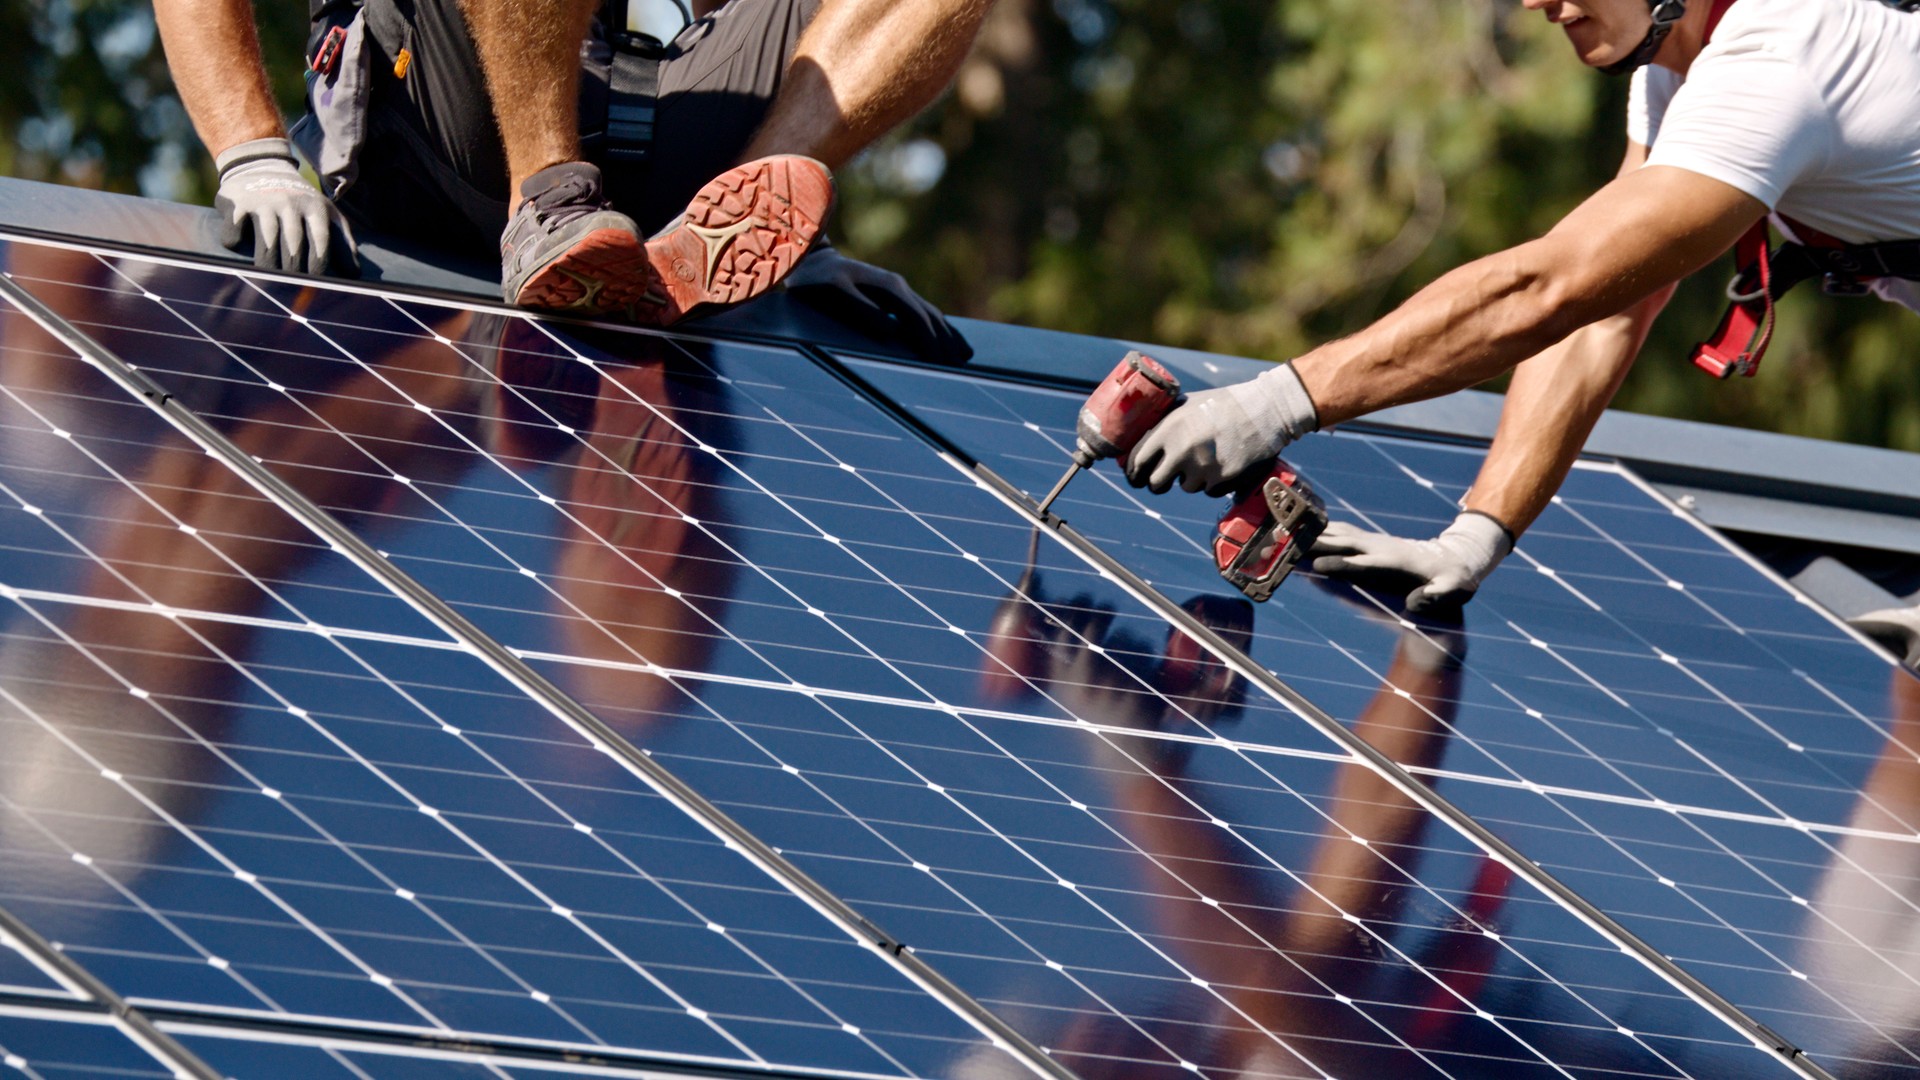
[[1242, 176]]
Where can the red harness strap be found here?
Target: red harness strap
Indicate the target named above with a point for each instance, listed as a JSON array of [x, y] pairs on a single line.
[[1736, 345], [1762, 276], [1741, 338]]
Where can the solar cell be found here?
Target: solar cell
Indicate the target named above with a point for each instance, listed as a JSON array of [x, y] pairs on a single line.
[[1645, 712], [20, 975], [998, 754], [262, 1055], [219, 807], [44, 1044]]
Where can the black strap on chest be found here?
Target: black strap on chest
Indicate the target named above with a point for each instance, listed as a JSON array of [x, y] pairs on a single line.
[[633, 86]]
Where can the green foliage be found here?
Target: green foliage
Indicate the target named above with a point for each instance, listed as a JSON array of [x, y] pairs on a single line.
[[88, 100], [1256, 176], [1245, 176]]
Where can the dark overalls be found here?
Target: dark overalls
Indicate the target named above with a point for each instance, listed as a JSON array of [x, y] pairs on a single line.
[[400, 126]]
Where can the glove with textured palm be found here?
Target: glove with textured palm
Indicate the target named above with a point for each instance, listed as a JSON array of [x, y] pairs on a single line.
[[876, 302], [1439, 573], [1215, 437], [294, 227]]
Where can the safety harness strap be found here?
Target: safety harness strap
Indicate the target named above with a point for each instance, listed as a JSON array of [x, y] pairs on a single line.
[[1737, 344], [1763, 276], [633, 85]]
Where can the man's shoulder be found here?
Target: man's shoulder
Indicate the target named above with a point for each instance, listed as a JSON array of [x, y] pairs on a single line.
[[1783, 26]]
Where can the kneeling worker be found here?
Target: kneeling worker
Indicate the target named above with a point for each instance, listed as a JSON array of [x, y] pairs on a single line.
[[1798, 108], [570, 132]]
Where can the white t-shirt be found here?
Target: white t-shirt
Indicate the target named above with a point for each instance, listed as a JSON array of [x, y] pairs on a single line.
[[1810, 106]]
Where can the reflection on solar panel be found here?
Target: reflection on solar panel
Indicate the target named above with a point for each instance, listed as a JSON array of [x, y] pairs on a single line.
[[1645, 713], [986, 811]]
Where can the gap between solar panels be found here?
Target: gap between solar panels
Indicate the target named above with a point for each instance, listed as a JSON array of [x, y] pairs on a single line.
[[536, 686], [1402, 779], [93, 997]]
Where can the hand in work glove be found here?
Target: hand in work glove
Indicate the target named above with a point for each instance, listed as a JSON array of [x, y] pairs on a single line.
[[1439, 573], [1215, 437], [876, 302], [293, 225]]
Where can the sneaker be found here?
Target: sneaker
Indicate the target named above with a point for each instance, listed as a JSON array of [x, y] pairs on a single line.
[[738, 237], [567, 249]]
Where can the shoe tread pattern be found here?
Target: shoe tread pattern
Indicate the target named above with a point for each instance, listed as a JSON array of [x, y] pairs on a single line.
[[741, 235]]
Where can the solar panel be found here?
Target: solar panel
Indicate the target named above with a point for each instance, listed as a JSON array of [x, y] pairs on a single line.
[[20, 975], [218, 805], [996, 753], [47, 1044], [1644, 711]]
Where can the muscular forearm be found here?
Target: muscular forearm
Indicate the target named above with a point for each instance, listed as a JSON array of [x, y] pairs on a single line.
[[1640, 233], [214, 55], [862, 68], [1467, 327], [1551, 406]]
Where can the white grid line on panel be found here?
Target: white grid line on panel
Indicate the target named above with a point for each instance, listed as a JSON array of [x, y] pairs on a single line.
[[546, 903], [865, 1037]]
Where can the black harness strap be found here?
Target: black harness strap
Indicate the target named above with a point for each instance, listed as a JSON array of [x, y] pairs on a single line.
[[1741, 339], [633, 87]]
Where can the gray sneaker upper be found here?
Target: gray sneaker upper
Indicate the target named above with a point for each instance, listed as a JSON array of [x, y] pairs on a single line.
[[562, 203]]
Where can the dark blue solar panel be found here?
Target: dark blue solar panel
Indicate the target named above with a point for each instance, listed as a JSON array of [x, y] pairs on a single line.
[[218, 808], [47, 1045], [1648, 714], [20, 975], [797, 621], [280, 1056]]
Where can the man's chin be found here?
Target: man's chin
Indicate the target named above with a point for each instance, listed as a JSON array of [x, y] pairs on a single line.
[[1592, 51]]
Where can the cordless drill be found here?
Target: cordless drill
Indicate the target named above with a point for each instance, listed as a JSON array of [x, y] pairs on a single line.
[[1270, 525], [1137, 394]]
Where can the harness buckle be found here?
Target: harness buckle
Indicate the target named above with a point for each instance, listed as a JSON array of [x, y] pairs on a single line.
[[1745, 296], [327, 56], [1838, 284]]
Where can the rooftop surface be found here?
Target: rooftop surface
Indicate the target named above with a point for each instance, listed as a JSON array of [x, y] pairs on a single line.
[[397, 685]]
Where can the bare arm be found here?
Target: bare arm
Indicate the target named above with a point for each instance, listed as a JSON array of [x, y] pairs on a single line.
[[862, 68], [1632, 238], [1554, 401], [214, 54]]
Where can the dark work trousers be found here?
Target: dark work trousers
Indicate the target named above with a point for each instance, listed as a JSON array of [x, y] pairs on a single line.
[[433, 168]]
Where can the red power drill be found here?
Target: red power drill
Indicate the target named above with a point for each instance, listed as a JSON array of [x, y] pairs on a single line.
[[1137, 394], [1266, 531]]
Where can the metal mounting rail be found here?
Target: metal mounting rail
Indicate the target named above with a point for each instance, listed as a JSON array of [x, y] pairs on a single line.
[[1421, 794], [102, 999], [537, 687]]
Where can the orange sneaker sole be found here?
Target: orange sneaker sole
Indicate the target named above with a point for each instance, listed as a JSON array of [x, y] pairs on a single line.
[[605, 271], [740, 236]]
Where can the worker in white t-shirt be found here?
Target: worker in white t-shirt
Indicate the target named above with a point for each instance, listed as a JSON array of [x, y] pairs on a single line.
[[1804, 108]]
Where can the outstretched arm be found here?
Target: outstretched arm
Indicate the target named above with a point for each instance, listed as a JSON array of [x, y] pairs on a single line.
[[1554, 401], [862, 68], [1632, 239], [1639, 234]]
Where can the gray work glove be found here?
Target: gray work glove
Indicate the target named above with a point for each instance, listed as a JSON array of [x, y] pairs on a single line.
[[1215, 437], [876, 302], [294, 227], [1439, 573]]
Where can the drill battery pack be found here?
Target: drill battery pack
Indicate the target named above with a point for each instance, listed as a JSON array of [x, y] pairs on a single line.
[[1267, 531]]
